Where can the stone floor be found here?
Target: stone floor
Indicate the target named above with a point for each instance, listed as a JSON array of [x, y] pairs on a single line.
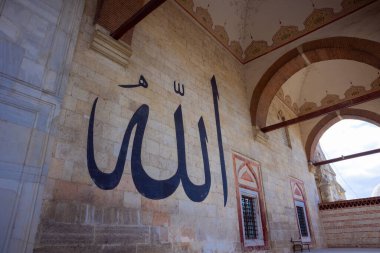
[[352, 250]]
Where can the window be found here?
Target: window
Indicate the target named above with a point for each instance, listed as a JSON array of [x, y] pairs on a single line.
[[252, 219], [301, 211], [248, 207], [302, 221], [303, 225]]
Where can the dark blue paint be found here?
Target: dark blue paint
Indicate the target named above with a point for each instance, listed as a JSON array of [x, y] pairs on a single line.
[[142, 83], [147, 186], [215, 95], [178, 90]]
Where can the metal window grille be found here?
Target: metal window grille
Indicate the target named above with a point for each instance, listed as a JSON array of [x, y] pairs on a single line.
[[249, 216], [302, 221]]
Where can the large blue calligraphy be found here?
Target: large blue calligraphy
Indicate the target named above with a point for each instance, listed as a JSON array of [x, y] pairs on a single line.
[[146, 185]]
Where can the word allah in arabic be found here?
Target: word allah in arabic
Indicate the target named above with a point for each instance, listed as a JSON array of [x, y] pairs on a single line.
[[146, 185]]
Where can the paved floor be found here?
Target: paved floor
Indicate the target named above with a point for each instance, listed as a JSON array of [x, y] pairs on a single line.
[[358, 250]]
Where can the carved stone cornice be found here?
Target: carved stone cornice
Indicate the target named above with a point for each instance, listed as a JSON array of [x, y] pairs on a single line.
[[115, 50], [260, 136], [350, 203]]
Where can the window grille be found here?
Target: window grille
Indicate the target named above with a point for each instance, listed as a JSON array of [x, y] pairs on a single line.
[[249, 217], [302, 221]]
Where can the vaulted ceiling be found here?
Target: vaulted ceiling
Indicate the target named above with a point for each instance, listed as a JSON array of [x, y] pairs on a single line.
[[251, 28], [326, 83]]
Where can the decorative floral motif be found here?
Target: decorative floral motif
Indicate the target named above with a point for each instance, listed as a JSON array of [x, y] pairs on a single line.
[[288, 101], [285, 34], [255, 49], [221, 34], [318, 18], [236, 48], [376, 83], [330, 99], [280, 93], [308, 107], [295, 108], [354, 91], [203, 16]]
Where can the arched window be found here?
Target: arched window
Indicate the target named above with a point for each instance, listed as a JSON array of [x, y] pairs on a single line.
[[251, 207], [301, 212]]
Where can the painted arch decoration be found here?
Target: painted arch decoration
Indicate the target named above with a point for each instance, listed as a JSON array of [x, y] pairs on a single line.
[[325, 123], [347, 48]]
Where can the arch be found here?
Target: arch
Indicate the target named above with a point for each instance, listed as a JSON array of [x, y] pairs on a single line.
[[247, 176], [325, 123], [298, 192], [334, 48]]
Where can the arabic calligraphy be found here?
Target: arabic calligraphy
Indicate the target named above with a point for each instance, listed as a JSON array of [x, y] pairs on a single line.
[[146, 185], [178, 90], [142, 83]]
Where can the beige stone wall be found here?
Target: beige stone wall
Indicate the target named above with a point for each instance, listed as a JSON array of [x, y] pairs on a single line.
[[37, 41], [325, 177], [352, 227], [280, 164], [167, 46]]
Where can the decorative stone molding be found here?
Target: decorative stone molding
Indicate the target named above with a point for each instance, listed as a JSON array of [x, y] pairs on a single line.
[[115, 50], [350, 203], [260, 136], [312, 168]]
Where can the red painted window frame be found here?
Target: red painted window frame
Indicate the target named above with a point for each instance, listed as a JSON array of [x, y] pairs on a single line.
[[301, 185], [259, 190]]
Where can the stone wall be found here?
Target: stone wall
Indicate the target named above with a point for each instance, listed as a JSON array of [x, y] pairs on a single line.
[[167, 46], [329, 188], [37, 40], [352, 223]]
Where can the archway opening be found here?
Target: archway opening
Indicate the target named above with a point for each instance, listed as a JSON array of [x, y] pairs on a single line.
[[335, 48], [359, 176]]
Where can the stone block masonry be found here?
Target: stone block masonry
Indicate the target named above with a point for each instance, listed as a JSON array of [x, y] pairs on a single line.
[[167, 46], [352, 223], [37, 41]]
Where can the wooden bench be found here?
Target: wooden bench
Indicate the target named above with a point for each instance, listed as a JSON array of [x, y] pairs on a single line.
[[298, 245]]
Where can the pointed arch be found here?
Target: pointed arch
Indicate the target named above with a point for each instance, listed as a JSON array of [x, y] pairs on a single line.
[[247, 177], [298, 192], [347, 48], [325, 123]]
